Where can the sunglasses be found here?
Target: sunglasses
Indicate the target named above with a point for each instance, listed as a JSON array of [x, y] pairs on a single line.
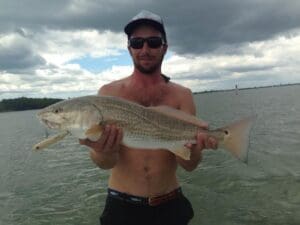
[[138, 42]]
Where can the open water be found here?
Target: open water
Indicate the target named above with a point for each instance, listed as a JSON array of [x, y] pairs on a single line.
[[62, 186]]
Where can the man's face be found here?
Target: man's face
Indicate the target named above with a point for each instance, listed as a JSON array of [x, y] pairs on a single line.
[[146, 59]]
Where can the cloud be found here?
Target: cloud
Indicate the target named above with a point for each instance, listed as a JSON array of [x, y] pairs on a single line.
[[17, 55], [205, 26], [212, 44], [24, 49], [59, 47], [193, 28], [262, 63]]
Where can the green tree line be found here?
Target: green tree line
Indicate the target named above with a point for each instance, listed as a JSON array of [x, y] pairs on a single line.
[[23, 103]]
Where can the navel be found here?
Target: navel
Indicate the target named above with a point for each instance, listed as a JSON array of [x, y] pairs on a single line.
[[146, 169]]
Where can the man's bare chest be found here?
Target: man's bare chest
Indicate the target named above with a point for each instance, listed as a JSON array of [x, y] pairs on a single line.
[[151, 96]]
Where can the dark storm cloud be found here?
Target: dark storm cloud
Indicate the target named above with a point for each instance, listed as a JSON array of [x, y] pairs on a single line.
[[193, 27], [69, 14], [17, 57], [210, 25]]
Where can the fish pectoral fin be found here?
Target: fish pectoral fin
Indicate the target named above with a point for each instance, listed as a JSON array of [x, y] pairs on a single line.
[[94, 132], [182, 152], [178, 114]]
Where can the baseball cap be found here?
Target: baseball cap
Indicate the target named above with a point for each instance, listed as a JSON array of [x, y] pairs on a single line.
[[148, 18]]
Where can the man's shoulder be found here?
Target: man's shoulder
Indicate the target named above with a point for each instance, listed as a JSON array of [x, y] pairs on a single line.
[[180, 89], [113, 87], [184, 97]]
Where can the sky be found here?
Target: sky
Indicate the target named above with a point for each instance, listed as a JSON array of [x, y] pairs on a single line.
[[69, 48]]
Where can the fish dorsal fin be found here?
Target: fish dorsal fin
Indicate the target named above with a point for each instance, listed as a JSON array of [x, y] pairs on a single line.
[[177, 114]]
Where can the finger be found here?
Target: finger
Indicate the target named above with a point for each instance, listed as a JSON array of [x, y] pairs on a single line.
[[105, 134], [118, 139], [82, 141], [99, 144], [204, 125], [213, 143], [206, 142], [119, 136], [188, 145], [201, 140], [86, 142], [110, 139]]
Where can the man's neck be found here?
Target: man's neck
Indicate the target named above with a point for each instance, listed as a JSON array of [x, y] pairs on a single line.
[[147, 79]]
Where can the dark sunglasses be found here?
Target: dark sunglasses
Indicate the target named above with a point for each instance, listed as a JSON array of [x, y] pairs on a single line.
[[138, 42]]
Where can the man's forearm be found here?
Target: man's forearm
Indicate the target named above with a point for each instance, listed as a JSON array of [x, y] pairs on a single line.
[[190, 165], [103, 160]]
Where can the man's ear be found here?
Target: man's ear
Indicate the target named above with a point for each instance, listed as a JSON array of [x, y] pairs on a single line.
[[129, 50], [165, 48]]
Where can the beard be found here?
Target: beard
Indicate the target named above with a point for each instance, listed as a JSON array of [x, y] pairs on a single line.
[[148, 70]]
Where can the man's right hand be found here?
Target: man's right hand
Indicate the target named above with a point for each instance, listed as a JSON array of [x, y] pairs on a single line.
[[105, 150]]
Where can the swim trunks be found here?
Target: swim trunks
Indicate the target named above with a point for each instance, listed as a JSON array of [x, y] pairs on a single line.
[[169, 209]]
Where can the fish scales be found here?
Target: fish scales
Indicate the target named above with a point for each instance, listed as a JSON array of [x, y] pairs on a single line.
[[140, 120], [144, 127]]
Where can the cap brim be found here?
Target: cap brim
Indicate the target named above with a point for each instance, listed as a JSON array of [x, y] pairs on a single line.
[[129, 28]]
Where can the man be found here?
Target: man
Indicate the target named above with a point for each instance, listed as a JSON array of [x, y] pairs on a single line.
[[143, 187]]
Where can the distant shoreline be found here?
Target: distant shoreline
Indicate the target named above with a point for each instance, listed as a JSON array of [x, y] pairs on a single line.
[[24, 103], [248, 88]]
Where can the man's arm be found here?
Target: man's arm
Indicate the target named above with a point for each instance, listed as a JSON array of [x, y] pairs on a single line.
[[105, 151], [202, 140]]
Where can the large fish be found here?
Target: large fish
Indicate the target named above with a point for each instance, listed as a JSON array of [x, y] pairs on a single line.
[[144, 127]]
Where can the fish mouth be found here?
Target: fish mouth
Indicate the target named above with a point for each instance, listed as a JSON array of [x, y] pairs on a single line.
[[51, 124]]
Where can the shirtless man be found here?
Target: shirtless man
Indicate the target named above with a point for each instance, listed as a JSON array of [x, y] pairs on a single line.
[[143, 187]]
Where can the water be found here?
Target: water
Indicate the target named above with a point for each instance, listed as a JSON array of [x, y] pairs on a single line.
[[62, 186]]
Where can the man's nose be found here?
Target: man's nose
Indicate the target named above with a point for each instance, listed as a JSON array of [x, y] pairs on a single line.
[[145, 47]]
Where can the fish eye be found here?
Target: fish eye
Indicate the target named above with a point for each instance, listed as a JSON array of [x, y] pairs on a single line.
[[58, 110], [226, 132]]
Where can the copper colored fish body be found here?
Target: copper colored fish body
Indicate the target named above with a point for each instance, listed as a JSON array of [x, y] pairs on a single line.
[[144, 127]]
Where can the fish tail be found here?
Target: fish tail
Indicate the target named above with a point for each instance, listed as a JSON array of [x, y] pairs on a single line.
[[236, 137]]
